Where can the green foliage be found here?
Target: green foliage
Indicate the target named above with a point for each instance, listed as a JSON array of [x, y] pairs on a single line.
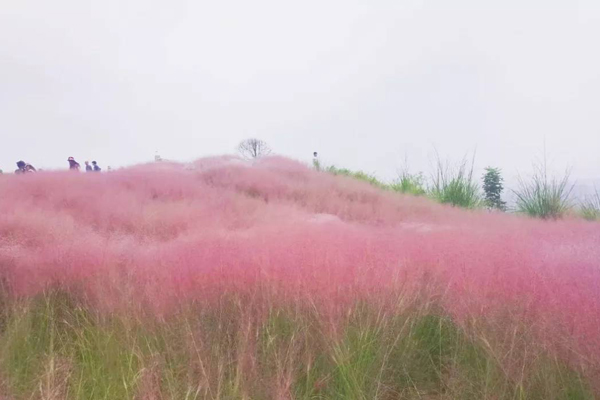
[[360, 175], [543, 196], [553, 379], [54, 348], [437, 348], [409, 183], [492, 187], [455, 186], [590, 209]]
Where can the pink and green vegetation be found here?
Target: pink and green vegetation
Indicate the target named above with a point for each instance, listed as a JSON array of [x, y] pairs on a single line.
[[590, 209], [274, 281]]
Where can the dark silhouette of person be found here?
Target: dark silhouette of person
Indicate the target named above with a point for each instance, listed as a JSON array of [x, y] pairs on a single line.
[[96, 167], [316, 162], [88, 167], [73, 165], [24, 168]]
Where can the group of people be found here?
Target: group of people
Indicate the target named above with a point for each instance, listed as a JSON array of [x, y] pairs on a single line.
[[74, 165], [26, 168]]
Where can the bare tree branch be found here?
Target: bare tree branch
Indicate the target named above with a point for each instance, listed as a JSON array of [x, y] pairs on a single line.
[[253, 149]]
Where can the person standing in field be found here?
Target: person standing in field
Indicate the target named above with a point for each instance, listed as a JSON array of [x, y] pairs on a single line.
[[88, 167], [24, 168], [316, 162], [73, 165], [96, 167]]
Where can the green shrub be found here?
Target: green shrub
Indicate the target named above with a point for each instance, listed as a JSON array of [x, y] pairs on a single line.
[[590, 209], [409, 184], [492, 187], [455, 186], [543, 196]]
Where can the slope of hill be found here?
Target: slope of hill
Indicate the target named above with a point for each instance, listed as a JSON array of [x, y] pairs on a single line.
[[285, 283]]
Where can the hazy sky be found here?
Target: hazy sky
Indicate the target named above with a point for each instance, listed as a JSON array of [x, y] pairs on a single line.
[[365, 83]]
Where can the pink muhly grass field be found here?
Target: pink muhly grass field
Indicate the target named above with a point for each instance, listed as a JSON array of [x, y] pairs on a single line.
[[154, 236]]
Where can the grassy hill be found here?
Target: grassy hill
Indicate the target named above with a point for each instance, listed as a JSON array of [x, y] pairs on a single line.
[[232, 280]]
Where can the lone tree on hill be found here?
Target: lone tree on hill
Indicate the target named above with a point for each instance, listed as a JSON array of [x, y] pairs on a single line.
[[253, 148], [492, 186]]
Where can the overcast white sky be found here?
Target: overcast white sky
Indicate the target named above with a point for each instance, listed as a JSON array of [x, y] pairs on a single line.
[[365, 83]]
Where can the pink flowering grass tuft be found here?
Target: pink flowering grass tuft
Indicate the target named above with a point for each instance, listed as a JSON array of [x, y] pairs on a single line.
[[158, 235]]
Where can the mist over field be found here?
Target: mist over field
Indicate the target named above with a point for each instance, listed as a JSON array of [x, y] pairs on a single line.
[[147, 243], [366, 84]]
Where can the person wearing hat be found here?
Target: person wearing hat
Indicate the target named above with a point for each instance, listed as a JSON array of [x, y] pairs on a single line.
[[73, 165]]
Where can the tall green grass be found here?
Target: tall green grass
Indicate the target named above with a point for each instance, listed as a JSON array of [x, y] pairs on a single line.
[[590, 208], [455, 185], [544, 196], [408, 183], [55, 348]]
